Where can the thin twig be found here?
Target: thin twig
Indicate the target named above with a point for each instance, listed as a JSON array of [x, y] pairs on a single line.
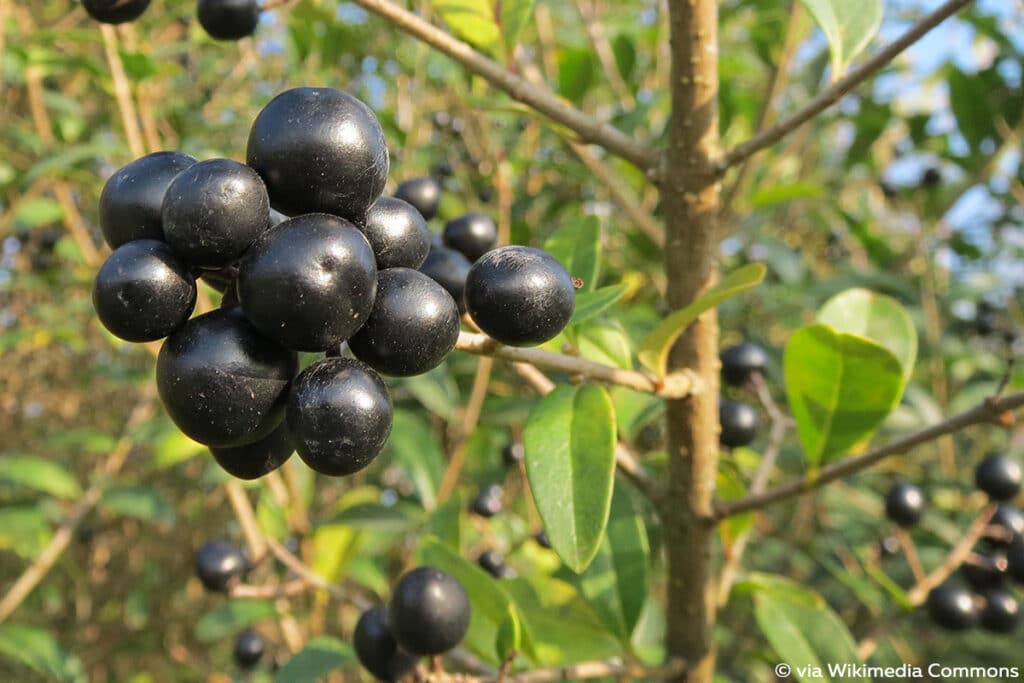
[[469, 421], [62, 538], [254, 538], [998, 410], [603, 49], [122, 91], [576, 672], [835, 92], [910, 553], [960, 552], [542, 100], [284, 590], [678, 385]]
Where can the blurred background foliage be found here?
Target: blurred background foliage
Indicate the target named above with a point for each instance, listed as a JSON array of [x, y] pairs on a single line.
[[912, 187]]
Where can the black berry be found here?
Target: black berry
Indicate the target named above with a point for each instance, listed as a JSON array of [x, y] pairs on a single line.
[[376, 647], [487, 502], [740, 423], [309, 283], [249, 648], [985, 572], [115, 11], [951, 606], [429, 612], [398, 234], [473, 235], [1015, 560], [740, 362], [213, 211], [931, 177], [131, 201], [513, 453], [904, 504], [519, 295], [999, 476], [339, 415], [422, 193], [319, 149], [253, 460], [143, 292], [229, 19], [494, 564], [542, 539], [1009, 521], [218, 563], [1000, 612], [222, 382], [449, 269], [412, 327]]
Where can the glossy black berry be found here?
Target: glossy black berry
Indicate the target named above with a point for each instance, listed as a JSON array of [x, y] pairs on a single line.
[[221, 381], [423, 193], [339, 415], [1000, 612], [985, 571], [218, 563], [487, 502], [740, 362], [512, 454], [309, 283], [449, 269], [429, 612], [519, 295], [442, 169], [931, 177], [1009, 521], [999, 476], [132, 198], [542, 539], [319, 149], [249, 648], [253, 460], [472, 235], [376, 647], [904, 504], [740, 423], [1015, 560], [494, 564], [115, 11], [213, 211], [229, 19], [398, 234], [143, 291], [951, 606], [413, 326]]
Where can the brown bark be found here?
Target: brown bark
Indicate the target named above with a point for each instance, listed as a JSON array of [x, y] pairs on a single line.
[[690, 197]]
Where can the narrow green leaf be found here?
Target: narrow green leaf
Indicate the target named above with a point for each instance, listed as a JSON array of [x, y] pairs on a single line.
[[318, 657], [654, 349], [624, 50], [38, 649], [593, 303], [577, 70], [779, 587], [138, 502], [231, 617], [446, 522], [33, 213], [848, 25], [876, 317], [414, 447], [840, 388], [510, 634], [39, 474], [569, 440], [577, 245], [514, 16], [471, 20], [376, 517]]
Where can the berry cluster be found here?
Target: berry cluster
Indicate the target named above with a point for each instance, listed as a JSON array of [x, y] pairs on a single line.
[[428, 615], [740, 421], [310, 258], [980, 594], [221, 19]]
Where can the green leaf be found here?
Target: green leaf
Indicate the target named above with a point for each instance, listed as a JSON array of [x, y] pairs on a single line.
[[514, 16], [848, 25], [654, 349], [37, 212], [781, 588], [415, 448], [38, 649], [491, 604], [840, 388], [39, 474], [24, 529], [605, 342], [446, 522], [576, 72], [471, 20], [231, 617], [569, 440], [172, 447], [138, 502], [590, 304], [876, 317], [318, 657], [808, 638], [436, 390], [577, 245], [624, 50], [376, 517], [510, 634]]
